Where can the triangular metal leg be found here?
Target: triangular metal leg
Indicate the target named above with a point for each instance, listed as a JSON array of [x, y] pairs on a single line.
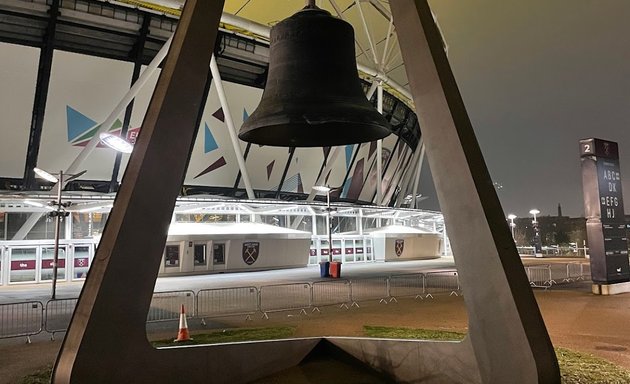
[[106, 341]]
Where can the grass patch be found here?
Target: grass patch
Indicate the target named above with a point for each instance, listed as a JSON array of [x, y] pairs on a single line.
[[411, 333], [41, 376], [231, 336], [575, 367]]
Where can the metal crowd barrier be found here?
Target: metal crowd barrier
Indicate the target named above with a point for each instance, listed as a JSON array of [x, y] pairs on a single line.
[[539, 276], [285, 297], [167, 305], [31, 317], [58, 315], [373, 288], [442, 282], [575, 272], [586, 269], [21, 319], [411, 285], [335, 292], [227, 302]]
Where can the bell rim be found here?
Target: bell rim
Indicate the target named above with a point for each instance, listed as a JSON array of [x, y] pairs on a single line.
[[326, 135]]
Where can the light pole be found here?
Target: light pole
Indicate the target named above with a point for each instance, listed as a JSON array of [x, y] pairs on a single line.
[[59, 213], [326, 189], [537, 240], [511, 217]]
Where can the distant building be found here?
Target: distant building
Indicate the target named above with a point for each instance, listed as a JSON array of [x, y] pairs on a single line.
[[555, 230]]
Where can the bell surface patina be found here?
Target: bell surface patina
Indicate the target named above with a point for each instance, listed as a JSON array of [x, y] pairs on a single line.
[[313, 96]]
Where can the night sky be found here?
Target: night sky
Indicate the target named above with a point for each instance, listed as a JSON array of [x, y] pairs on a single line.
[[537, 76]]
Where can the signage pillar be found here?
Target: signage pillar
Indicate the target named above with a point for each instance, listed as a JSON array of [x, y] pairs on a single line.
[[603, 206]]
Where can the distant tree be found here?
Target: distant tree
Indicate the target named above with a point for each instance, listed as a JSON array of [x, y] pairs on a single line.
[[562, 238]]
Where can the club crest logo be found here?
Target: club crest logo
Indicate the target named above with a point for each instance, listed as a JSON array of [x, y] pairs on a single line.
[[250, 252], [399, 246]]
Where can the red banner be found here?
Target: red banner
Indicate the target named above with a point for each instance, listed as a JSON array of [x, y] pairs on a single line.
[[48, 263], [22, 265], [349, 251]]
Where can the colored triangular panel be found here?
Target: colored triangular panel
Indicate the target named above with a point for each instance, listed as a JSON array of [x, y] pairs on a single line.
[[210, 144], [217, 164], [349, 150], [346, 185], [87, 135], [372, 148], [270, 169], [77, 123], [219, 115], [354, 189], [245, 115], [326, 151], [292, 184]]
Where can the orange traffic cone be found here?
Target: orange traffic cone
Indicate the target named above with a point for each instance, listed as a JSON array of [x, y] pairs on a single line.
[[183, 334]]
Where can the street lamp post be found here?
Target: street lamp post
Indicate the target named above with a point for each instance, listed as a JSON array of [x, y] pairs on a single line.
[[537, 240], [58, 214], [326, 189], [511, 217]]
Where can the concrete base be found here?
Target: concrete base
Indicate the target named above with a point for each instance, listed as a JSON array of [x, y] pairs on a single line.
[[611, 289]]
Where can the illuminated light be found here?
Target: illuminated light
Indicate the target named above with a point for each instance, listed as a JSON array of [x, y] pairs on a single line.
[[322, 188], [34, 203], [45, 175], [116, 142]]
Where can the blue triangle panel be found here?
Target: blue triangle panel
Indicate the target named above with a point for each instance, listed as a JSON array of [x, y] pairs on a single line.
[[77, 123], [210, 144], [245, 115], [349, 149]]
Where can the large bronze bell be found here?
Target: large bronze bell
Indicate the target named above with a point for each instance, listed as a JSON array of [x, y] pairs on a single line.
[[313, 96]]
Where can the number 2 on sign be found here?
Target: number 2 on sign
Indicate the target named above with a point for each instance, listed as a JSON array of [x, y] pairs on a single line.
[[587, 147]]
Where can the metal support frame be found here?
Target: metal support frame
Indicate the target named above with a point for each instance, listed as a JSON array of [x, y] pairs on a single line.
[[41, 95], [218, 83], [379, 150], [384, 170], [355, 153], [286, 170], [136, 235], [239, 175], [393, 183], [121, 106], [58, 218], [409, 172], [137, 66], [176, 102], [515, 346], [416, 181], [507, 340]]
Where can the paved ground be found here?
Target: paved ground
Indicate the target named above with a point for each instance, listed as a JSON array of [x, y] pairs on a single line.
[[574, 317]]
